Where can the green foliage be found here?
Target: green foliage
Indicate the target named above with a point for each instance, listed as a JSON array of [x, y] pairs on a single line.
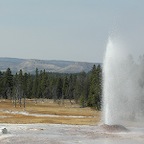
[[7, 83], [59, 88], [65, 88], [35, 87], [95, 92], [84, 88]]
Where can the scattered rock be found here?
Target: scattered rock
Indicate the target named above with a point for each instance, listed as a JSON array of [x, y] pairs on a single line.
[[4, 131]]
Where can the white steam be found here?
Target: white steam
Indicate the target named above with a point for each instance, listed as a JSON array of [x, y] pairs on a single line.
[[123, 86]]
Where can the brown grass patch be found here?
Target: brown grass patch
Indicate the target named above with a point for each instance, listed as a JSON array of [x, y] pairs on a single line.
[[92, 117]]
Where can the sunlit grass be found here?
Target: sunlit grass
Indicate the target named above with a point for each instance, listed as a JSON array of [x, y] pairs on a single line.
[[92, 117]]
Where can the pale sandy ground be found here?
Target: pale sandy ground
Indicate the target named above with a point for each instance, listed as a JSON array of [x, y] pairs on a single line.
[[66, 134]]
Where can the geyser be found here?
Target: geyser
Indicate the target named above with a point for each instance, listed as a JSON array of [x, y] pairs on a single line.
[[123, 86]]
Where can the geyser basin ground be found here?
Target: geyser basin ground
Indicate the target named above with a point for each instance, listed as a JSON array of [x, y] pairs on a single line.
[[114, 128], [67, 134]]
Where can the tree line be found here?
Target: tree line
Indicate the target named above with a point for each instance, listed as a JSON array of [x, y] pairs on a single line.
[[83, 88]]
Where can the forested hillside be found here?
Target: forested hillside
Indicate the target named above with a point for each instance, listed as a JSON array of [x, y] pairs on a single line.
[[84, 88], [29, 65]]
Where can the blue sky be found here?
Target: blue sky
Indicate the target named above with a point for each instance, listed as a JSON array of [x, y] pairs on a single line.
[[75, 30]]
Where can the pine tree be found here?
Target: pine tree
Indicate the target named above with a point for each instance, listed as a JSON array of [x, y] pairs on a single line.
[[79, 90], [35, 84], [29, 86], [1, 85], [44, 84], [20, 87], [94, 98], [8, 83], [65, 88], [72, 80], [83, 89], [59, 88]]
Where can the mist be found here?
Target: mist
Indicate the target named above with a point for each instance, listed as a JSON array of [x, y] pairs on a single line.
[[123, 92]]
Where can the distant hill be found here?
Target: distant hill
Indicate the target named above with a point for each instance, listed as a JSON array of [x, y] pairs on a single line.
[[29, 65]]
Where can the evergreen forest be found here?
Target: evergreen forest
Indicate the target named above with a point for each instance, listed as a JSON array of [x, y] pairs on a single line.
[[83, 88]]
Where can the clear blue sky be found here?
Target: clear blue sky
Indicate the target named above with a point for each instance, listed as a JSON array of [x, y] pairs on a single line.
[[75, 30]]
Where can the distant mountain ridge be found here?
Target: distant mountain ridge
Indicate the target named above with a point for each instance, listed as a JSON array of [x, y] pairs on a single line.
[[30, 65]]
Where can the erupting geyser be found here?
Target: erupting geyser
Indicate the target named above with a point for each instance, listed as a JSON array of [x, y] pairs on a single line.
[[123, 87]]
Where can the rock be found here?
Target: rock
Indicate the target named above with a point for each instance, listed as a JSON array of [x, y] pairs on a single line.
[[114, 128], [4, 131]]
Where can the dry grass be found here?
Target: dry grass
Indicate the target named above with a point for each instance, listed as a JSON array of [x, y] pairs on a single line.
[[92, 117]]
